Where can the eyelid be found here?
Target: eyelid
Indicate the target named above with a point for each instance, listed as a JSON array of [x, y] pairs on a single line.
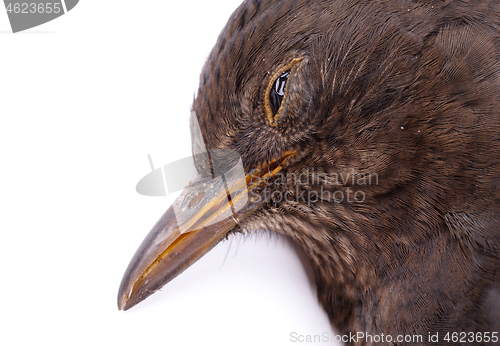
[[271, 118]]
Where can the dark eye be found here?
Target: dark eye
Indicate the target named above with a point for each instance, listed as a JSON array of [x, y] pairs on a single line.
[[278, 92]]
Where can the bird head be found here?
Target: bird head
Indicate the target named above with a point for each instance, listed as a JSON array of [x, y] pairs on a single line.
[[344, 119]]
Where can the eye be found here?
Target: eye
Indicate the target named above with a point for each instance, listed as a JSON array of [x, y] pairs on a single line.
[[278, 92]]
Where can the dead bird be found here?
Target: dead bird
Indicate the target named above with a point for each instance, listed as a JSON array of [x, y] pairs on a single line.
[[389, 112]]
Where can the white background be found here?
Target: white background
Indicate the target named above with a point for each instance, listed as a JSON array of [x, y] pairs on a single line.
[[83, 100]]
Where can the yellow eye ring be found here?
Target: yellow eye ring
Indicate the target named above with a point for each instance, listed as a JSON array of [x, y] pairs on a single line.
[[272, 118]]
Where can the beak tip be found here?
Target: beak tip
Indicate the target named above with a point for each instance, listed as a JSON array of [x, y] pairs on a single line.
[[123, 300], [121, 303], [127, 300], [123, 306]]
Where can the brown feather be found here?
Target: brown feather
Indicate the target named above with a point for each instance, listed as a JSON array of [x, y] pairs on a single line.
[[408, 91]]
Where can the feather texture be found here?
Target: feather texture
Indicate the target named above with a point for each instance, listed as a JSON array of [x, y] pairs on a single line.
[[404, 91]]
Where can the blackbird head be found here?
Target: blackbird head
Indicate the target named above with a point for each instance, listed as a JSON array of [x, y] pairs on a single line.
[[368, 133]]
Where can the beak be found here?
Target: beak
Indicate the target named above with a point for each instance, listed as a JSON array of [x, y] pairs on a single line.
[[205, 212]]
